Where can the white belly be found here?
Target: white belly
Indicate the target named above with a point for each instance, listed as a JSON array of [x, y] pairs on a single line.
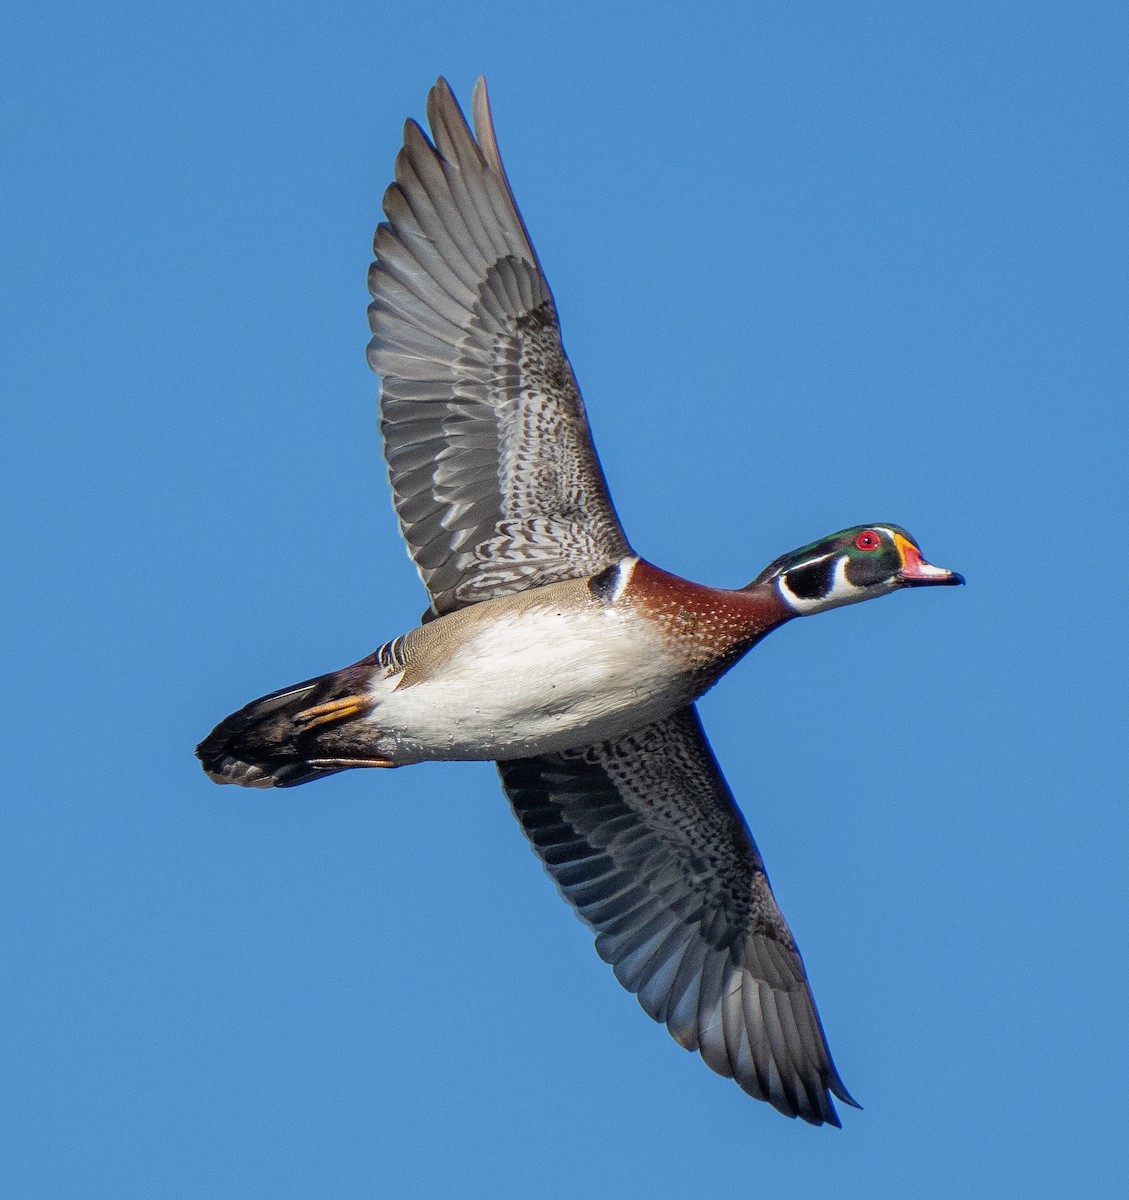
[[530, 683]]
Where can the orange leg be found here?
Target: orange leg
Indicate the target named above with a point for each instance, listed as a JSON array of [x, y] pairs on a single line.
[[340, 764], [335, 710]]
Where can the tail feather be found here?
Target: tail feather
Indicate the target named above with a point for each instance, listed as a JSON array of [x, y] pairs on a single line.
[[262, 745]]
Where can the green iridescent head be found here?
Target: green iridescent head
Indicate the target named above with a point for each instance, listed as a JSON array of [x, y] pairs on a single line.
[[855, 564]]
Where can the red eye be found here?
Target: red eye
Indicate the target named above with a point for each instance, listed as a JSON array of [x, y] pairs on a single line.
[[868, 540]]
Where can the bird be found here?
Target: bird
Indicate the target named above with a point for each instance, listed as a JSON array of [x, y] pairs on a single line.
[[549, 646]]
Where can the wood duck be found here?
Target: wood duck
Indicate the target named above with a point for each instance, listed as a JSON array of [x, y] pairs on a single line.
[[549, 646]]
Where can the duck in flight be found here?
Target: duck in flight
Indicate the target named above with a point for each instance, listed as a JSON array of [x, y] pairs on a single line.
[[549, 646]]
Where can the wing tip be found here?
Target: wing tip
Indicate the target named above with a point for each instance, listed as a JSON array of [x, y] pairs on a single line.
[[484, 127]]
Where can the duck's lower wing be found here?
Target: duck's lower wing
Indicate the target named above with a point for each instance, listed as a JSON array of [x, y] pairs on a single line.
[[644, 840]]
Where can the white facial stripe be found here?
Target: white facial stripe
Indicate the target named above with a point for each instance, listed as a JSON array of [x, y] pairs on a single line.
[[842, 590], [794, 602]]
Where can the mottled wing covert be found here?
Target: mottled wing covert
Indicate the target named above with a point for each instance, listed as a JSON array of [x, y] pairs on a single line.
[[644, 840], [494, 476]]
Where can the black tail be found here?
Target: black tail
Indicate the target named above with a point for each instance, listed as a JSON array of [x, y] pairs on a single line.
[[263, 745]]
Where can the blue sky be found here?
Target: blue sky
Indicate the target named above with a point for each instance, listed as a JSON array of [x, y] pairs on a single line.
[[816, 265]]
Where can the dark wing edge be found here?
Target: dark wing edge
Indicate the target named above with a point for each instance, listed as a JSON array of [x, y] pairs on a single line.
[[494, 477], [643, 838]]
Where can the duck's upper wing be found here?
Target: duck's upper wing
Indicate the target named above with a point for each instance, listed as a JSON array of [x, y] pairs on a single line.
[[494, 476], [644, 840]]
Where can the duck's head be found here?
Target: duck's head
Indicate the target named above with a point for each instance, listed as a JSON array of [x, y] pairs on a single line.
[[855, 564]]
